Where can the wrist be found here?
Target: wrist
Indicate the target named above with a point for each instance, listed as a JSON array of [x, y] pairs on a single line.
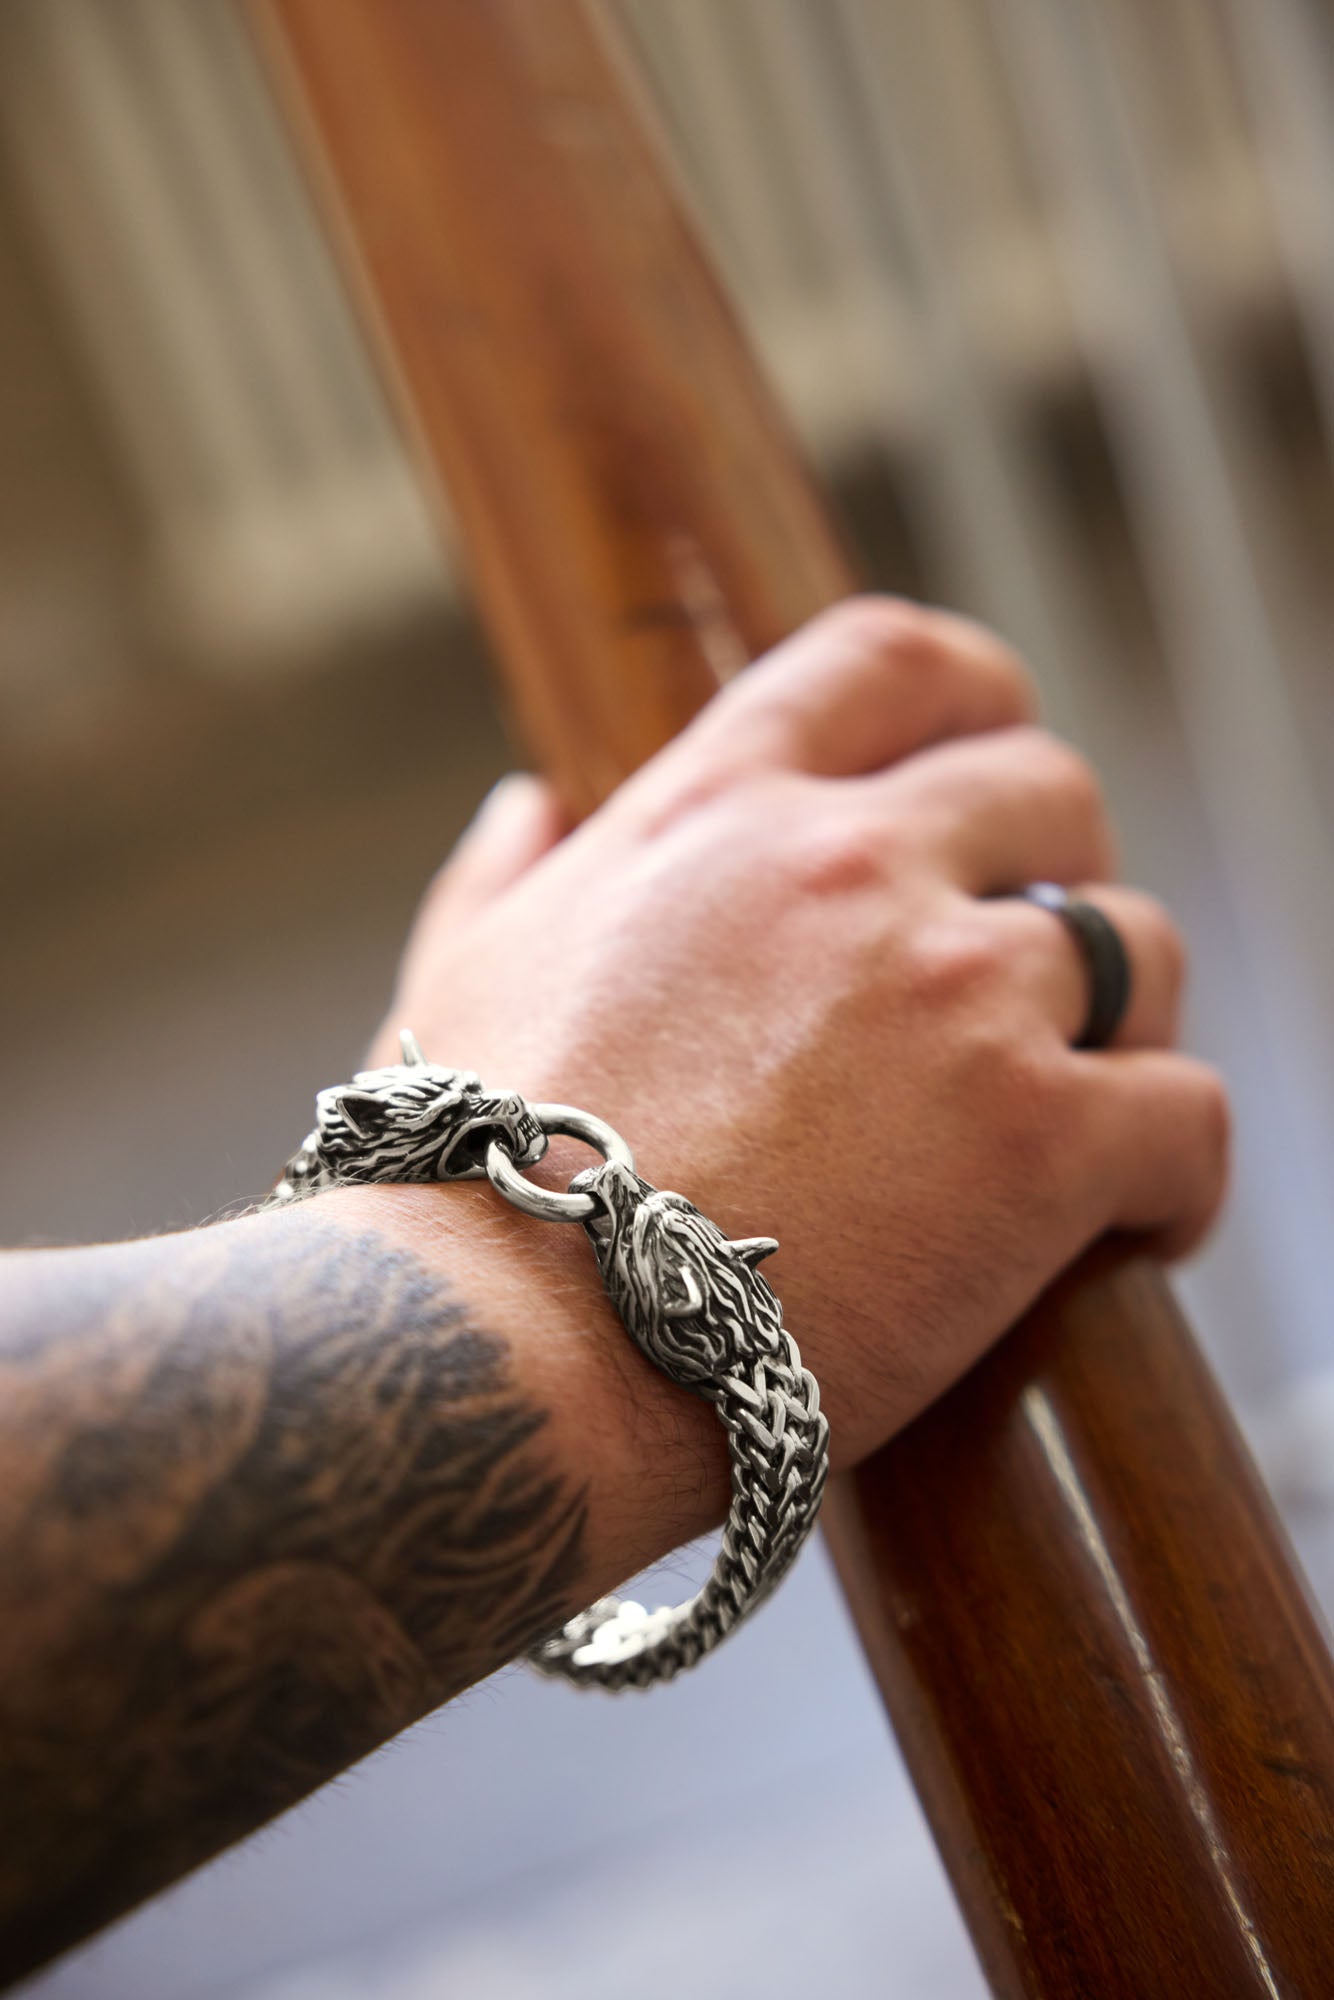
[[649, 1455]]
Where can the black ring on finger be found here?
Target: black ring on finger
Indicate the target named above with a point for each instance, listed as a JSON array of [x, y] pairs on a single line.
[[1104, 954]]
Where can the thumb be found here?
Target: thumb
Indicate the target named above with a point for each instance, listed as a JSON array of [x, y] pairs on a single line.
[[519, 821]]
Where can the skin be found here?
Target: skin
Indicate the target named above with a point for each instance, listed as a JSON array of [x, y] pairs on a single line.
[[271, 1490]]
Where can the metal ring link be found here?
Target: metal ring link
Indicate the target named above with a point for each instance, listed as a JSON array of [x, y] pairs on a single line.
[[545, 1203]]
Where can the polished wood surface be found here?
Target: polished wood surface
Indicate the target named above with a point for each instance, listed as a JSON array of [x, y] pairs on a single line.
[[573, 373], [1112, 1692], [1107, 1683]]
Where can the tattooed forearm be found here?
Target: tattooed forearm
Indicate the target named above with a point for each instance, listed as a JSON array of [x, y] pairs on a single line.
[[267, 1495]]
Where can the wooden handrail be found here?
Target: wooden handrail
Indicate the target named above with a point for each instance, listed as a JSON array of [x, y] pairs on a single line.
[[1109, 1684]]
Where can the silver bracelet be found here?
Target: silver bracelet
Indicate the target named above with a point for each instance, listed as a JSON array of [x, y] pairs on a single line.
[[690, 1298]]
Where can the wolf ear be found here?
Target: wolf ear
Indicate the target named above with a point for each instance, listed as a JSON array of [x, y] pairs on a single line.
[[411, 1047], [362, 1125], [693, 1301], [752, 1250]]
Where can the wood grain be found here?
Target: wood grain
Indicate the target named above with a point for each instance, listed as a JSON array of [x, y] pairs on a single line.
[[1109, 1684]]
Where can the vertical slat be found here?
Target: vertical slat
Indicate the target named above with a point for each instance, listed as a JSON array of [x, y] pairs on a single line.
[[274, 509], [1203, 555], [1286, 55], [1107, 1679], [594, 459], [985, 507]]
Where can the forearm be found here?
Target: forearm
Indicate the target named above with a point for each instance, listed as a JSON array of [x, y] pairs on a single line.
[[271, 1491]]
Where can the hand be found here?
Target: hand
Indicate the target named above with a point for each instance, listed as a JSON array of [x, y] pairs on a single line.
[[769, 961]]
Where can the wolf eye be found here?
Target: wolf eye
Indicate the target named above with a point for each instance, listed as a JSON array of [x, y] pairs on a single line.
[[690, 1298]]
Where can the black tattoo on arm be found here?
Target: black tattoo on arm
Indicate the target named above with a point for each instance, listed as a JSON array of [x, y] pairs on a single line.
[[268, 1496]]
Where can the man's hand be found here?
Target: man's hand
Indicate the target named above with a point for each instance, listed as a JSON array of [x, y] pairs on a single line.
[[776, 961]]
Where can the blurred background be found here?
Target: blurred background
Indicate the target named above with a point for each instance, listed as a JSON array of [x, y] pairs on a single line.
[[1048, 288]]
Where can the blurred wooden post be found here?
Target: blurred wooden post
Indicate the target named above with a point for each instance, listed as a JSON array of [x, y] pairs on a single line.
[[1107, 1680]]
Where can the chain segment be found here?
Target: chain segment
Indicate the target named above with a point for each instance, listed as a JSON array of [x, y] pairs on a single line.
[[693, 1301]]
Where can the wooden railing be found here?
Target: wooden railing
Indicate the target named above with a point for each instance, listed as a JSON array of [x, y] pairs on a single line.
[[1105, 1675]]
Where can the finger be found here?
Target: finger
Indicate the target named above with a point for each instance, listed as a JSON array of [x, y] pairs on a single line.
[[998, 812], [1048, 962], [518, 822], [1165, 1130], [864, 684]]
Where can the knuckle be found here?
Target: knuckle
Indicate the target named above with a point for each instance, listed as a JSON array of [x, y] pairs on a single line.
[[894, 632], [1066, 779], [706, 765], [754, 720], [696, 788], [956, 965], [830, 855], [1166, 942], [990, 655], [1014, 675], [1215, 1106], [1061, 769], [1203, 1177], [873, 623], [921, 639]]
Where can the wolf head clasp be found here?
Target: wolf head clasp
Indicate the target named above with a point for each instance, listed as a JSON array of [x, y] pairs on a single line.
[[690, 1297], [410, 1121]]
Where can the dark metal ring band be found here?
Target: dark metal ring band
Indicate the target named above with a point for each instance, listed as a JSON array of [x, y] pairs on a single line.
[[1103, 952]]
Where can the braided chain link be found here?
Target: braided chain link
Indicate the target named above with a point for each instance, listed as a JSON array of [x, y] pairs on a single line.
[[780, 1462], [690, 1298]]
